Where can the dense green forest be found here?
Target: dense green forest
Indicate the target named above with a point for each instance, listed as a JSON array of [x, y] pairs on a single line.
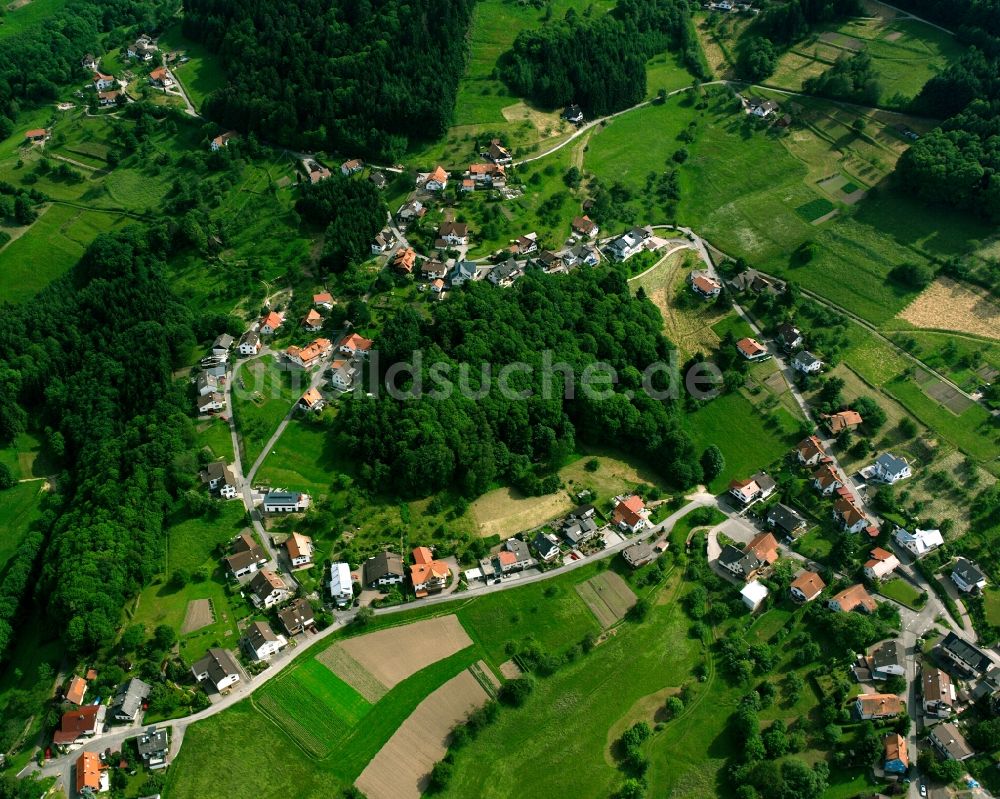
[[850, 78], [323, 74], [352, 212], [422, 445], [54, 49], [90, 361], [598, 62]]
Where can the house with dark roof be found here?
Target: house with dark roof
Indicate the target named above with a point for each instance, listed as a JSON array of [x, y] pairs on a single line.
[[886, 661], [754, 281], [573, 113], [546, 546], [260, 641], [298, 616], [383, 569], [218, 668], [128, 702], [785, 520], [462, 272], [576, 531], [153, 746], [937, 692], [968, 659], [891, 469], [638, 554], [790, 337], [949, 741], [807, 363], [754, 559], [759, 486], [267, 589], [967, 576], [522, 554], [810, 451], [246, 555]]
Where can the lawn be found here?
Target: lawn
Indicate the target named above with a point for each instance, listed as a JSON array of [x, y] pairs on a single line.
[[27, 16], [902, 592], [263, 395], [214, 436], [304, 457], [991, 604], [27, 457], [760, 442], [200, 76], [18, 509], [817, 544]]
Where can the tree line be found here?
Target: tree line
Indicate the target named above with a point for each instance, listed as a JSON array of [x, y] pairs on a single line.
[[325, 74], [418, 446], [599, 62], [352, 211]]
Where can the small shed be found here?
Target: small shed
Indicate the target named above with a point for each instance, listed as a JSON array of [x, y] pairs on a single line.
[[754, 593]]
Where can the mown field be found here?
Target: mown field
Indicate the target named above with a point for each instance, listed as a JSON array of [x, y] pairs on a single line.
[[202, 74], [27, 16], [18, 509]]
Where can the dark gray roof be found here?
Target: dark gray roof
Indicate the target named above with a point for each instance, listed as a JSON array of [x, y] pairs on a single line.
[[128, 700], [764, 482], [975, 659], [519, 548], [967, 570], [297, 614], [890, 463], [260, 633], [637, 553], [948, 738], [785, 518], [886, 655], [384, 563], [730, 555], [543, 544], [223, 341], [805, 359], [218, 664], [152, 743]]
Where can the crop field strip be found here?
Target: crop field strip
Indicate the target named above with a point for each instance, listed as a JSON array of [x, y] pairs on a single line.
[[608, 597], [336, 659]]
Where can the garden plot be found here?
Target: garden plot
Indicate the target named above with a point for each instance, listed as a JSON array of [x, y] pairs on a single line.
[[200, 613], [388, 657], [948, 305], [608, 597], [402, 766], [942, 393]]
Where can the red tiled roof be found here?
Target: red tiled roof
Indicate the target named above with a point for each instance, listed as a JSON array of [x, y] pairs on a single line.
[[750, 347], [809, 583]]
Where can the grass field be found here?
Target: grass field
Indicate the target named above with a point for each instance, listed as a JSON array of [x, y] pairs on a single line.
[[200, 76], [304, 457], [27, 16], [27, 457], [608, 597], [214, 436], [991, 604], [18, 509], [902, 592], [262, 396]]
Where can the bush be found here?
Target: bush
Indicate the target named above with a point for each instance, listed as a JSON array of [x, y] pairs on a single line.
[[6, 478], [516, 692]]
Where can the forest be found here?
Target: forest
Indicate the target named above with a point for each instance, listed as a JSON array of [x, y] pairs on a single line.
[[90, 361], [851, 78], [443, 440], [598, 62], [352, 212], [361, 78]]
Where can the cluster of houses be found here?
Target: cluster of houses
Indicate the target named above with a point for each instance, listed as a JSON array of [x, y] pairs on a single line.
[[827, 480], [210, 383], [92, 771]]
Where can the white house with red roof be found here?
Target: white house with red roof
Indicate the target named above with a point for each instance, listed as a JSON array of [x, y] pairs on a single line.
[[630, 513], [751, 349], [356, 345]]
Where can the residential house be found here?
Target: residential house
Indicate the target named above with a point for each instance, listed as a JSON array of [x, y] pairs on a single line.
[[967, 576], [454, 234], [300, 549], [312, 321], [219, 476], [506, 273], [91, 775], [919, 542], [968, 659], [342, 374], [267, 589], [630, 513], [222, 345], [756, 282], [842, 420], [850, 516], [585, 226], [385, 568], [351, 167], [576, 531], [311, 354], [886, 661], [754, 559], [546, 546], [704, 284], [218, 668], [89, 62], [37, 135], [785, 520], [523, 245], [878, 706], [810, 451], [206, 383], [211, 403], [80, 723], [573, 114], [385, 240], [379, 180], [807, 363], [108, 97], [760, 107], [76, 691], [890, 469], [462, 272], [522, 555], [103, 82], [341, 586], [753, 594], [261, 643], [128, 702], [436, 180], [426, 573], [468, 184], [153, 746], [853, 598], [404, 260], [142, 48], [246, 557], [897, 760], [548, 261], [937, 692], [790, 337], [806, 586], [486, 175], [285, 502], [760, 486], [223, 140], [628, 244], [161, 77], [433, 269], [297, 617], [751, 349], [950, 742], [826, 480], [312, 400], [499, 154], [323, 300], [316, 171], [579, 254], [249, 343], [407, 212], [271, 323], [638, 554], [355, 345], [881, 564]]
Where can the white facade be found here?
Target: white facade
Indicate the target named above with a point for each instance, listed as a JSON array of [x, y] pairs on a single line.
[[753, 594], [920, 542], [341, 590]]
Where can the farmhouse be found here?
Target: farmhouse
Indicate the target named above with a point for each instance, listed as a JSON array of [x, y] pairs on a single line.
[[89, 62], [404, 260], [585, 226], [756, 282], [630, 513], [219, 476], [323, 300], [810, 451], [896, 761], [753, 560], [109, 97], [751, 349], [704, 284], [498, 154], [161, 77], [573, 113], [826, 480], [218, 668], [247, 557], [878, 706], [881, 564], [890, 469], [760, 486], [210, 403], [842, 420], [316, 171], [223, 140], [37, 135], [807, 363], [426, 573], [967, 576], [753, 594], [128, 702], [806, 586], [436, 180], [785, 520], [309, 355], [851, 599], [153, 746], [250, 343], [312, 400], [919, 542], [947, 739], [760, 107], [91, 774], [385, 568], [271, 322], [546, 546], [340, 585], [937, 692], [79, 723], [142, 48], [968, 659], [790, 337], [285, 502], [300, 549], [638, 554], [261, 643], [267, 589], [297, 617], [312, 321], [355, 345]]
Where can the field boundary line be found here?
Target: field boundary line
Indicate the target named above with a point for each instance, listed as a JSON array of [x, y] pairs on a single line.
[[267, 715]]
